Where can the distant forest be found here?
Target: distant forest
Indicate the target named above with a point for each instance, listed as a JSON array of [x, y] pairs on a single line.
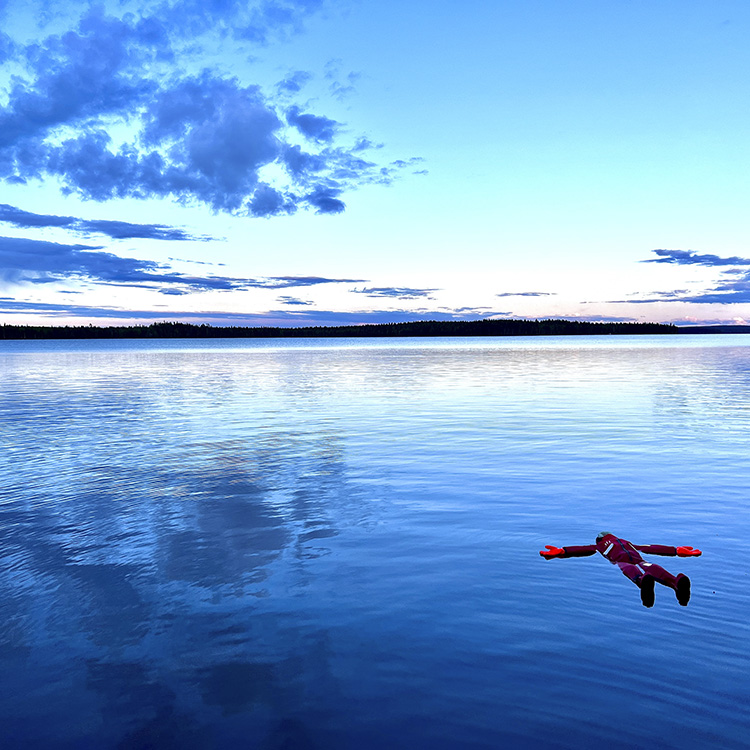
[[173, 330]]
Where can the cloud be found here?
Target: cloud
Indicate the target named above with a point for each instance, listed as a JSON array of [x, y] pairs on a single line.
[[114, 229], [98, 110], [735, 289], [281, 318], [728, 293], [363, 144], [326, 200], [7, 47], [258, 22], [41, 262], [272, 17], [205, 139], [313, 127], [294, 301], [525, 294], [89, 72], [343, 89], [294, 82], [284, 282], [690, 257], [396, 292], [267, 201], [476, 310], [720, 298]]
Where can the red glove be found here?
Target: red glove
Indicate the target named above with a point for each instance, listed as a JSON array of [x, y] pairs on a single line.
[[551, 552], [688, 552]]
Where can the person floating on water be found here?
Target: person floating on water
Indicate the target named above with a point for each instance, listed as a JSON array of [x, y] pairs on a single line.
[[626, 556]]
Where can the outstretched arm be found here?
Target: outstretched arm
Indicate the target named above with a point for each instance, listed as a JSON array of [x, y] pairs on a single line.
[[660, 549], [551, 551]]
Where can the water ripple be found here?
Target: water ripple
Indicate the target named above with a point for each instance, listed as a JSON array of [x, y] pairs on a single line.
[[334, 544]]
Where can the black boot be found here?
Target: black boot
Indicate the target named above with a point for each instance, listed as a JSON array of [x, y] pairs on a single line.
[[683, 589], [647, 590]]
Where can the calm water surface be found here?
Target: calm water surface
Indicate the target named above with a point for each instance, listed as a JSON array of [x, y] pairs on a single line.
[[334, 544]]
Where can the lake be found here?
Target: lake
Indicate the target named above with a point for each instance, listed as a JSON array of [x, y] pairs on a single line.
[[334, 543]]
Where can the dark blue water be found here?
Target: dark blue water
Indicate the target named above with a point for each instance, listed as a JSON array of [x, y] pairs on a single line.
[[320, 544]]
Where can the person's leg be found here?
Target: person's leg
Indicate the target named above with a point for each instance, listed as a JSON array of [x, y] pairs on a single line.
[[633, 572], [664, 577], [680, 583], [642, 579]]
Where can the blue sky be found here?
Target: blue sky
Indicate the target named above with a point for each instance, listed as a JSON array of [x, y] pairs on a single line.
[[313, 162]]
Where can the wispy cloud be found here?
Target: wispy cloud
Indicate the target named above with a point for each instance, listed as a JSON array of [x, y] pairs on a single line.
[[256, 21], [734, 288], [294, 82], [690, 257], [285, 282], [525, 294], [41, 262], [118, 230], [297, 318], [341, 85], [396, 292]]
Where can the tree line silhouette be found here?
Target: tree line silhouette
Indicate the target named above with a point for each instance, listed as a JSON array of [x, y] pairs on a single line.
[[487, 327]]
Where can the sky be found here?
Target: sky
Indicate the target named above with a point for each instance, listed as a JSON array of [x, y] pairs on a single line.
[[326, 162]]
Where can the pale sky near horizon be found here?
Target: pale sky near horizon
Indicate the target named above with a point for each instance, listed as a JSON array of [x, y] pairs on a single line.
[[316, 162]]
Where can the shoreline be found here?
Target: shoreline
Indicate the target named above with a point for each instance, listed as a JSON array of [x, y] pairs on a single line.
[[487, 327]]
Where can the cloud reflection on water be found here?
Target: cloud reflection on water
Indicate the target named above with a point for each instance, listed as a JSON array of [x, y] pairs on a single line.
[[205, 544], [137, 559]]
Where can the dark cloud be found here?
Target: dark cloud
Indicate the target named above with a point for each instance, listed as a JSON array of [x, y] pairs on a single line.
[[212, 137], [525, 294], [268, 201], [20, 218], [114, 229], [313, 127], [396, 292], [723, 294], [735, 289], [85, 73], [720, 298], [326, 200], [201, 138], [294, 301], [690, 257], [300, 164], [120, 230], [41, 262]]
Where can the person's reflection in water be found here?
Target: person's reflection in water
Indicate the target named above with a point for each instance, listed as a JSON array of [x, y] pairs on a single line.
[[626, 556]]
